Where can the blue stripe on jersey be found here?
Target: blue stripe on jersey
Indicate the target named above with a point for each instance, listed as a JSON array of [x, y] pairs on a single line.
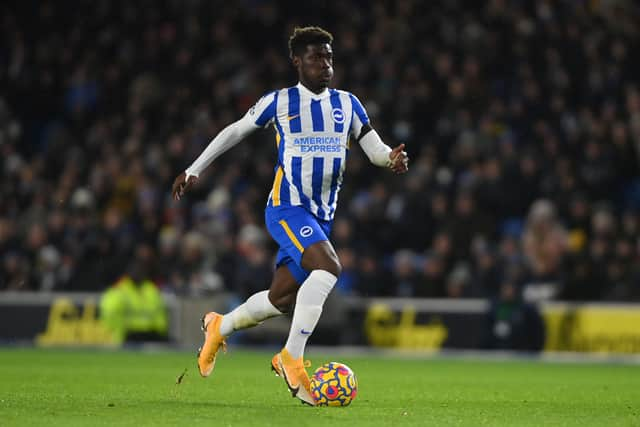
[[316, 116], [316, 183], [295, 125], [268, 113], [296, 175], [337, 161], [359, 110], [336, 104]]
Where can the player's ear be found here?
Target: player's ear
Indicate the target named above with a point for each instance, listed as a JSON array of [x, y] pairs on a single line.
[[295, 60]]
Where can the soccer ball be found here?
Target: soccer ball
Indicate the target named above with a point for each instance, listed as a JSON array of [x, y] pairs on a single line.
[[334, 384]]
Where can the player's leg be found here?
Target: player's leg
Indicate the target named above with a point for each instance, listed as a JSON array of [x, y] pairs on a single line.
[[263, 305], [322, 261], [257, 308], [310, 298], [297, 231]]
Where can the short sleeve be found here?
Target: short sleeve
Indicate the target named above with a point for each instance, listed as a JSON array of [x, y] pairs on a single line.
[[359, 116], [263, 112]]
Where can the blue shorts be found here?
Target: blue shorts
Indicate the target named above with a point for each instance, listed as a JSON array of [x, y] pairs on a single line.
[[295, 229]]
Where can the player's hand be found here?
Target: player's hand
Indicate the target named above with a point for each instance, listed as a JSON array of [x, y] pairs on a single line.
[[399, 160], [181, 185]]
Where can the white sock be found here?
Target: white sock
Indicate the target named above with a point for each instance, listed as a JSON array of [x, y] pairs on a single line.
[[311, 296], [254, 310]]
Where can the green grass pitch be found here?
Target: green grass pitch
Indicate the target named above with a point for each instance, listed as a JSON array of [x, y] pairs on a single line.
[[93, 388]]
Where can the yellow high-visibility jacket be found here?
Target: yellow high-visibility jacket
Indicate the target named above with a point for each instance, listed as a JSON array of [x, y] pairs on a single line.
[[129, 308]]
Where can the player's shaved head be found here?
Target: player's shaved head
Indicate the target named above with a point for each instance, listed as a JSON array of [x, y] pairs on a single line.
[[303, 36]]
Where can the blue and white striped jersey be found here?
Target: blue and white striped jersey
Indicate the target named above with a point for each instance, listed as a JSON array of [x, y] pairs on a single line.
[[312, 138]]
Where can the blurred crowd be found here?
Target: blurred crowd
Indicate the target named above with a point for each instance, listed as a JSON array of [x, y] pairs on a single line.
[[522, 120]]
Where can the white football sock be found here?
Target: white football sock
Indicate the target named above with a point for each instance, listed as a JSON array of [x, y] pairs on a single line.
[[254, 310], [311, 297]]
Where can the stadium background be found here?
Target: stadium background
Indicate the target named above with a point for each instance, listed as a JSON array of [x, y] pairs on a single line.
[[522, 120]]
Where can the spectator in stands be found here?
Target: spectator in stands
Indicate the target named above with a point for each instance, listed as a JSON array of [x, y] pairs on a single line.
[[403, 277], [348, 279], [253, 265], [544, 244], [373, 278], [458, 282], [433, 276], [487, 270]]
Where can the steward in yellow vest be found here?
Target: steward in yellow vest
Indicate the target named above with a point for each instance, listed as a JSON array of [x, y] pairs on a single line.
[[134, 311]]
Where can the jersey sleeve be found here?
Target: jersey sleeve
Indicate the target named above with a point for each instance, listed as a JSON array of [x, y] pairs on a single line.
[[359, 116], [263, 113]]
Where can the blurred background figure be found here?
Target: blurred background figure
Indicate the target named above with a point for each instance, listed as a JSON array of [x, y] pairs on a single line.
[[513, 324], [458, 282], [545, 244], [133, 308], [404, 278]]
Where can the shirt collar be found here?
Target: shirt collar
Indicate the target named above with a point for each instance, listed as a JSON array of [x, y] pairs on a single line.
[[311, 94]]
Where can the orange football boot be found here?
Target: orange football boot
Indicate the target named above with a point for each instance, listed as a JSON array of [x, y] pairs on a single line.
[[295, 375], [213, 340]]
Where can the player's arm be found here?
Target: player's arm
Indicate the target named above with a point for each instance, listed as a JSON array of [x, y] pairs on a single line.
[[380, 154], [259, 116], [227, 138]]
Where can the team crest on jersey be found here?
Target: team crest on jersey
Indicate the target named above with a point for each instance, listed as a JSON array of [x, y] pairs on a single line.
[[306, 231], [338, 115]]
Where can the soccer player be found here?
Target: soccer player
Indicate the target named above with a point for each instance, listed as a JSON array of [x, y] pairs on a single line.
[[313, 125]]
